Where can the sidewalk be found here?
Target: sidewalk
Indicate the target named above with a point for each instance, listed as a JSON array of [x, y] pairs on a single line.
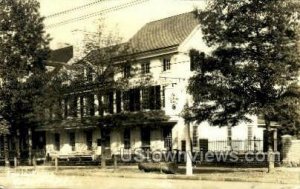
[[259, 175]]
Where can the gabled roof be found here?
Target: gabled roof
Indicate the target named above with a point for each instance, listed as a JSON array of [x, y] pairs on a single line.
[[161, 36], [62, 55], [167, 32]]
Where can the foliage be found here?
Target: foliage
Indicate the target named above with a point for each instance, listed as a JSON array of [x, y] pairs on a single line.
[[4, 127], [254, 65], [24, 48]]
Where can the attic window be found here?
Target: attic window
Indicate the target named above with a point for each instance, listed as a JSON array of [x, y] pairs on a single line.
[[166, 64]]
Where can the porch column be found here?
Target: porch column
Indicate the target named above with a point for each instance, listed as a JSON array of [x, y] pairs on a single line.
[[96, 102], [275, 140], [141, 99], [114, 102], [84, 108], [78, 107]]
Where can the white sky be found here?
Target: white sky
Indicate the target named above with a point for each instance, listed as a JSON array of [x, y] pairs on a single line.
[[127, 21]]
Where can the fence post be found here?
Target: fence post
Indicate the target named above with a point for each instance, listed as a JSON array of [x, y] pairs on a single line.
[[115, 161], [15, 162], [56, 163], [34, 162]]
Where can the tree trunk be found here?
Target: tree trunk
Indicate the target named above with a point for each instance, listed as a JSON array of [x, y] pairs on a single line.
[[189, 166], [17, 144], [6, 152], [271, 158], [103, 154], [29, 146]]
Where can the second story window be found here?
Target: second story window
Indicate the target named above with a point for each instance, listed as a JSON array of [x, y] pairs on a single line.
[[145, 68], [90, 105], [131, 100], [127, 71], [151, 98], [108, 102], [73, 108], [166, 64]]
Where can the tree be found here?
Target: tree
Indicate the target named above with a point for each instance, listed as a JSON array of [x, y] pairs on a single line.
[[24, 48], [4, 131], [253, 67]]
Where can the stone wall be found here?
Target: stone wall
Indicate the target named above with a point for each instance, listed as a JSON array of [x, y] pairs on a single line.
[[290, 151]]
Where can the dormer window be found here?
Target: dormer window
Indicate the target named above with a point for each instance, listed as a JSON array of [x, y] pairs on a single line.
[[166, 64], [145, 67]]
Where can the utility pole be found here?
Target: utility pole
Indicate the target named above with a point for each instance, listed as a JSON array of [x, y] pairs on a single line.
[[189, 166]]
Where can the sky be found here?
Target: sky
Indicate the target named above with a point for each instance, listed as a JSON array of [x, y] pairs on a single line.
[[126, 21]]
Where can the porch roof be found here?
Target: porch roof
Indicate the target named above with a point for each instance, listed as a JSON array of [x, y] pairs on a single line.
[[128, 119], [68, 124]]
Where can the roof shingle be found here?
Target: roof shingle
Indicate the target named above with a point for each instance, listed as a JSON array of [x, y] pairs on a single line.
[[164, 33]]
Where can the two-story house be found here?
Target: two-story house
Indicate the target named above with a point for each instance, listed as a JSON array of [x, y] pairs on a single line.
[[146, 116]]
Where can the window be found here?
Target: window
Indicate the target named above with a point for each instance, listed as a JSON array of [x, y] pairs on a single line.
[[134, 100], [72, 140], [151, 98], [127, 138], [131, 100], [118, 101], [229, 136], [90, 105], [167, 134], [56, 142], [166, 64], [89, 140], [195, 136], [127, 71], [59, 109], [81, 106], [145, 136], [100, 105], [126, 100], [109, 102], [73, 107], [145, 67], [66, 112]]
